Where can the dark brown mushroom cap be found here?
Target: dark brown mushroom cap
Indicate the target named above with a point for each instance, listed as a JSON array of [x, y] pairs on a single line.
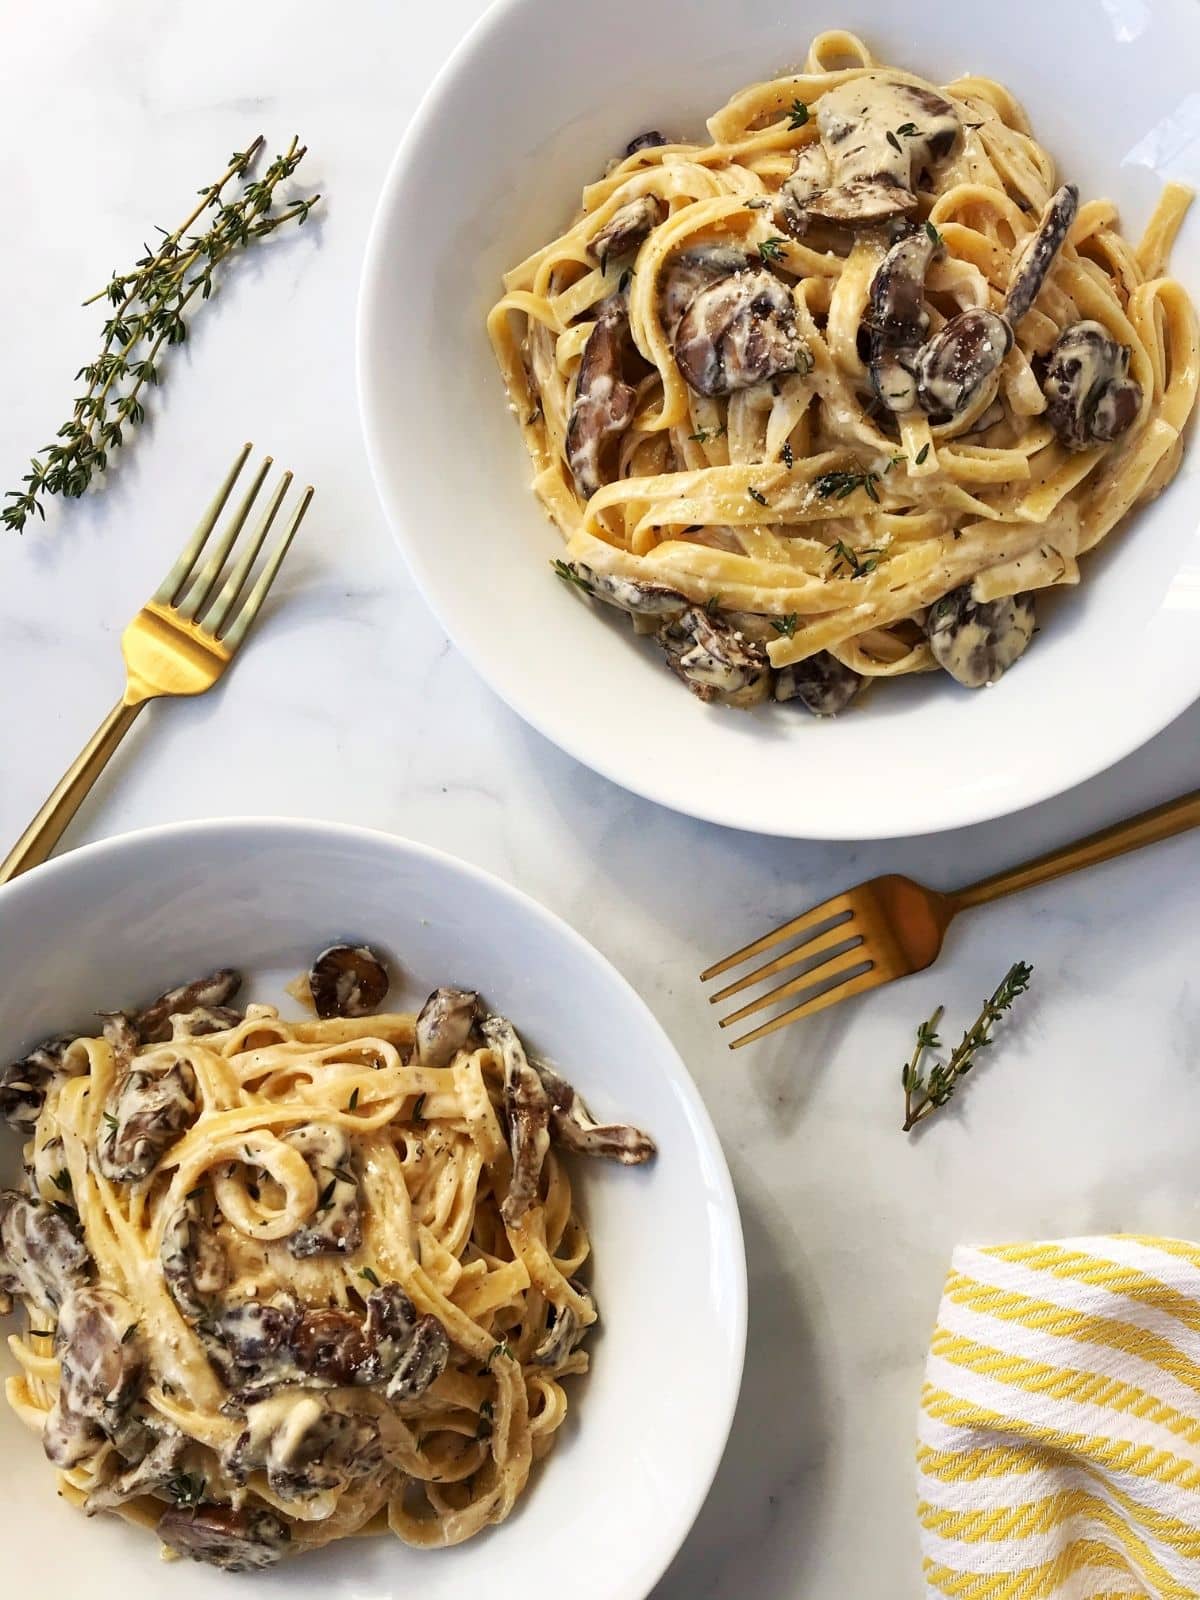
[[604, 403], [102, 1367], [153, 1022], [1090, 397], [573, 1126], [977, 642], [959, 359], [42, 1253], [820, 683], [1038, 255], [714, 658], [445, 1024], [626, 229], [255, 1333], [25, 1084], [689, 272], [348, 980], [738, 332], [879, 134], [245, 1539], [649, 140], [899, 319], [146, 1111], [631, 595]]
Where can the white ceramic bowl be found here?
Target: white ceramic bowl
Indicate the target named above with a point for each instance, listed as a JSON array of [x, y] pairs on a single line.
[[529, 109], [119, 921]]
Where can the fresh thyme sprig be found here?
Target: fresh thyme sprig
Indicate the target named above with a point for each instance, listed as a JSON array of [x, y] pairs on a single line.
[[569, 573], [148, 305], [925, 1092], [857, 562], [841, 485], [774, 248]]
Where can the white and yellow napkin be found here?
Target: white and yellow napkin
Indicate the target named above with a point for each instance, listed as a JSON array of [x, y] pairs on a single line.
[[1059, 1443]]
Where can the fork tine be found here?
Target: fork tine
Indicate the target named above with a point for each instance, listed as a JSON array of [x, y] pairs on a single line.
[[809, 919], [831, 997], [839, 934], [175, 579], [807, 980], [221, 609], [251, 605], [205, 581]]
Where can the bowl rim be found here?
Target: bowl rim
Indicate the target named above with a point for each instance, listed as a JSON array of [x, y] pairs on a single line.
[[964, 810], [682, 1081]]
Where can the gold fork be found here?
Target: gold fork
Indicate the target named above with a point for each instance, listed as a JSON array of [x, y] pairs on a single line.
[[180, 642], [891, 927]]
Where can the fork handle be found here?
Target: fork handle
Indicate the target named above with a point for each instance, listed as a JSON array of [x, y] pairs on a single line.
[[1148, 827], [47, 828]]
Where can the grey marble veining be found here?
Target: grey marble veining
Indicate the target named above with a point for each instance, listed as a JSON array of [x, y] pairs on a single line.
[[1083, 1120]]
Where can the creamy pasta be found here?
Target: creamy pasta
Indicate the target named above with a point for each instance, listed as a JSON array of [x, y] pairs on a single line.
[[287, 1281], [831, 396]]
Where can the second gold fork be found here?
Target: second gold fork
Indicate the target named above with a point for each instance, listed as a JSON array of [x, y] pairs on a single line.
[[180, 642]]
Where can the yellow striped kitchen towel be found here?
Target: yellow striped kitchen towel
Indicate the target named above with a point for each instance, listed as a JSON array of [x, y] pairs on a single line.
[[1059, 1442]]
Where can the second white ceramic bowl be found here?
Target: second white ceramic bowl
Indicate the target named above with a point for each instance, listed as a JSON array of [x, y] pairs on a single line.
[[528, 111]]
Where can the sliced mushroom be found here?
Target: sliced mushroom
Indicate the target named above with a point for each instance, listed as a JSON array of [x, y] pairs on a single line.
[[1038, 255], [336, 1225], [244, 1539], [604, 402], [563, 1332], [627, 594], [392, 1345], [146, 1111], [899, 319], [879, 134], [649, 140], [422, 1362], [151, 1473], [123, 1038], [821, 684], [194, 1266], [102, 1367], [738, 332], [304, 1444], [25, 1084], [347, 981], [153, 1022], [978, 642], [528, 1108], [626, 229], [959, 359], [256, 1335], [693, 270], [203, 1020], [574, 1127], [715, 659], [809, 177], [444, 1025], [1091, 399], [42, 1253]]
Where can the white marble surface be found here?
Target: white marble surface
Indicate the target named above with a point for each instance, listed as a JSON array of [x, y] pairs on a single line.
[[351, 705]]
